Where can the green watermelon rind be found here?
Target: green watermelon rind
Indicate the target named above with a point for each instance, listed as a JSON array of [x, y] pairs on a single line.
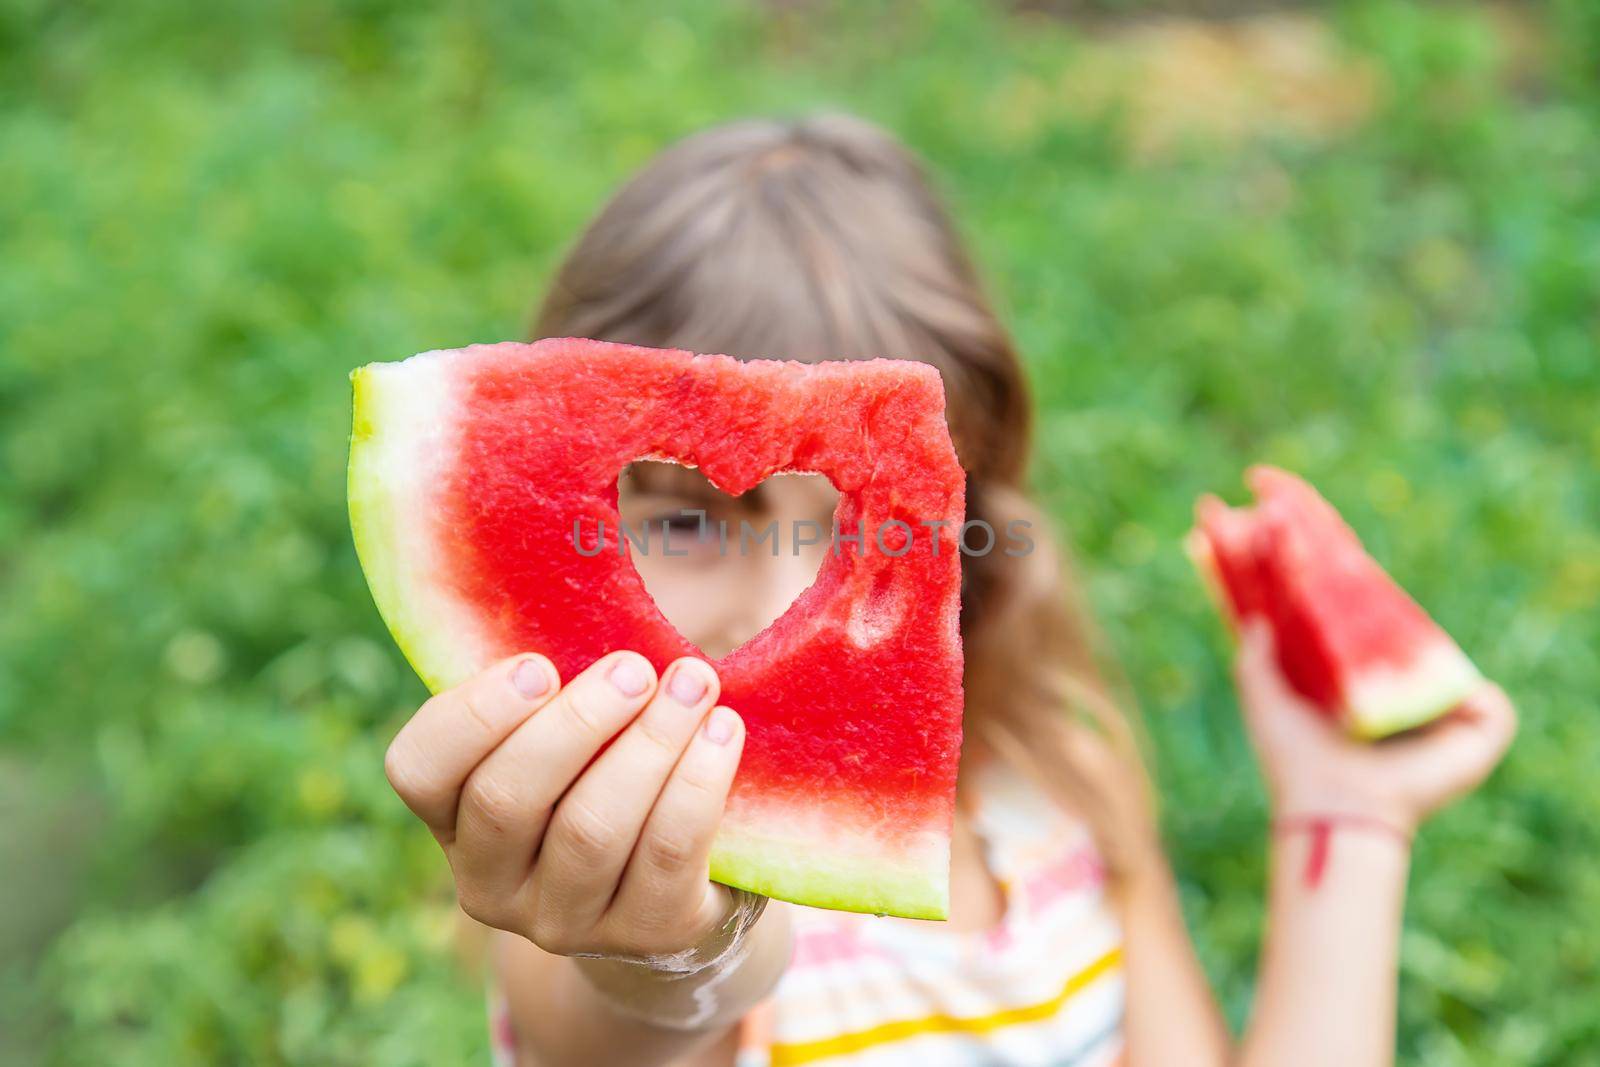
[[784, 870], [441, 655], [1379, 703], [387, 474]]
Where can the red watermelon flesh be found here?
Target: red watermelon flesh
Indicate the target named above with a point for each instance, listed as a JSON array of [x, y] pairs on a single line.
[[1223, 544], [470, 467], [1347, 637]]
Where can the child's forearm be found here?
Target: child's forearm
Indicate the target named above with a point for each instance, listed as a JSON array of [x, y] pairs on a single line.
[[1326, 987], [1171, 1015], [588, 1011]]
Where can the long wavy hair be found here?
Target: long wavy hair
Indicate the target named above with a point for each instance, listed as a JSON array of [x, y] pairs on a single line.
[[822, 239]]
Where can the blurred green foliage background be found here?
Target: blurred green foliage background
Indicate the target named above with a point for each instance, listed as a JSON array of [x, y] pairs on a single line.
[[1365, 245]]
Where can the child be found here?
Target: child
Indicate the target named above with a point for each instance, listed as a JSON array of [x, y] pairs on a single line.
[[814, 240]]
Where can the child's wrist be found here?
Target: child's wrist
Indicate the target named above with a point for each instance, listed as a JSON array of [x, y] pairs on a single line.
[[682, 998], [1377, 814], [1317, 828], [1314, 821]]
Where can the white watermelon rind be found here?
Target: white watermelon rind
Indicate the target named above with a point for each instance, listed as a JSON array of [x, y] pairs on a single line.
[[841, 877], [1380, 701], [1197, 546], [400, 431]]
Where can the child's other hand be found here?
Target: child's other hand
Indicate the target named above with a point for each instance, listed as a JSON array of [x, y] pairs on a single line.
[[1311, 767], [608, 858]]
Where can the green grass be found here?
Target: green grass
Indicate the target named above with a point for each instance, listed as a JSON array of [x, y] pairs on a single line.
[[208, 221]]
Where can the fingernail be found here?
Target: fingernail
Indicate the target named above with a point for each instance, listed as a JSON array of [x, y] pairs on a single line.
[[629, 676], [531, 679], [719, 726], [688, 685]]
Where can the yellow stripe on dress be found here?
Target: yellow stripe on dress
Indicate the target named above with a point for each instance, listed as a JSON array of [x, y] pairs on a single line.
[[790, 1055]]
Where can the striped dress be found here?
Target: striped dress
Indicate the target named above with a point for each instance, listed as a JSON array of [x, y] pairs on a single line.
[[1042, 988]]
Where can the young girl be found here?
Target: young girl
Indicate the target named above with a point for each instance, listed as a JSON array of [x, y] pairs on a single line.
[[816, 240]]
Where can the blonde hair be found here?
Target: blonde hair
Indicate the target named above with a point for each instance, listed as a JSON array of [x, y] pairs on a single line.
[[821, 239]]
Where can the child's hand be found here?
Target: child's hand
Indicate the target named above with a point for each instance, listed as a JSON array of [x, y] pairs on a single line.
[[1311, 767], [605, 859]]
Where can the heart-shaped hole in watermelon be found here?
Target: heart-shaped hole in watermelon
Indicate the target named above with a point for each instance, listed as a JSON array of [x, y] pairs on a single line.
[[723, 568], [478, 477]]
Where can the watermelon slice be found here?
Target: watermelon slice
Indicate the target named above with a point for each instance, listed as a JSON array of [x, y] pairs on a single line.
[[470, 468], [1347, 637]]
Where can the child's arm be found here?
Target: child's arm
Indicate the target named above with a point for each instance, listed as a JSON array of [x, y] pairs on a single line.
[[1344, 813], [594, 854], [1171, 1015], [1325, 991]]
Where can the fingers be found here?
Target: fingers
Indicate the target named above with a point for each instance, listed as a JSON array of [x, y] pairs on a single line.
[[555, 804], [1455, 753], [1496, 723], [438, 748], [1256, 671], [597, 824], [1265, 696], [1254, 668], [670, 862], [506, 802], [1494, 714]]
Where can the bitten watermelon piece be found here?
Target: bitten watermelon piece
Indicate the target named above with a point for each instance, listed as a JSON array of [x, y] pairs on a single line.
[[1347, 637], [470, 468]]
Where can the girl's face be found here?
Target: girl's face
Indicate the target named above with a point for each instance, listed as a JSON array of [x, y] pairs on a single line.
[[720, 589]]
